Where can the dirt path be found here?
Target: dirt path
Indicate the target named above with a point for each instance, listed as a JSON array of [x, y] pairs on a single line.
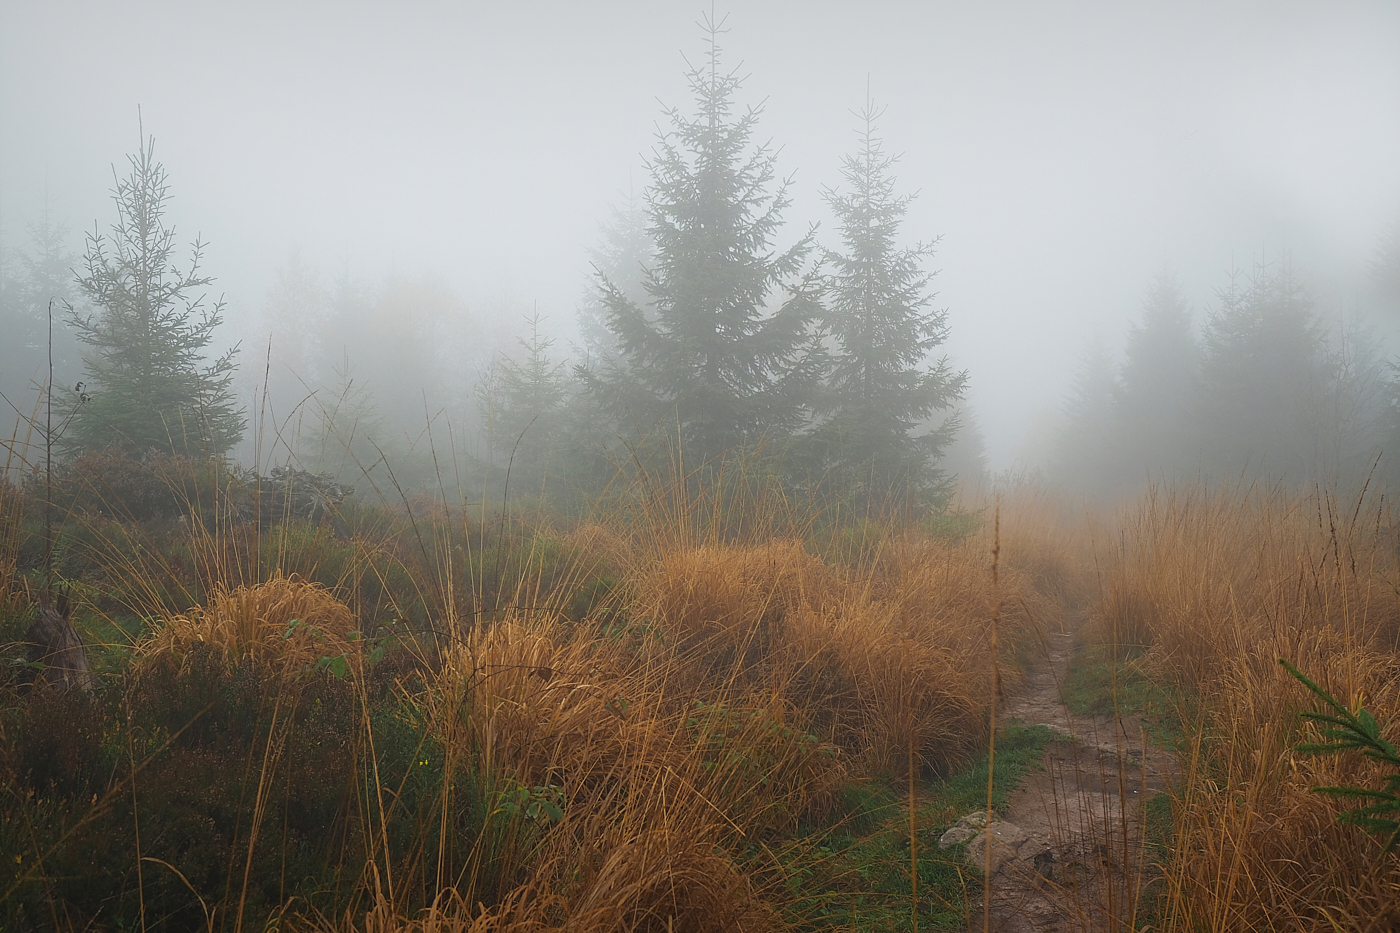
[[1072, 858]]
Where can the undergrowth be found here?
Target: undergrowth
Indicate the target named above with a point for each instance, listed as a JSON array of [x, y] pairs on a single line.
[[1212, 587], [684, 711], [853, 871]]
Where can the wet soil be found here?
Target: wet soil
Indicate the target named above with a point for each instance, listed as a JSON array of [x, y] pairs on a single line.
[[1078, 862]]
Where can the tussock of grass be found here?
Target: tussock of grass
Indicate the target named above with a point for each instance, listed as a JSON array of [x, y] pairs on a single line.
[[284, 620], [884, 656]]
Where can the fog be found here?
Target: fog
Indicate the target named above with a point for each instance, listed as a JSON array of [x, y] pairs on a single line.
[[1064, 153]]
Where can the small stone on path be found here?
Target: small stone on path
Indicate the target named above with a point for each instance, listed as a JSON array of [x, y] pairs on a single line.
[[963, 830], [1007, 839]]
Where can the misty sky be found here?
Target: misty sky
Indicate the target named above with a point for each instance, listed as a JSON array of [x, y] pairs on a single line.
[[1063, 151]]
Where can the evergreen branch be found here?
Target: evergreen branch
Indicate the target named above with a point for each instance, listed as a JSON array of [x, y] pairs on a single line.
[[1361, 732]]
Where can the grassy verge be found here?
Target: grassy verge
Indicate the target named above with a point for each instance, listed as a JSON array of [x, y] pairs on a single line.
[[854, 872], [1221, 584], [1100, 682]]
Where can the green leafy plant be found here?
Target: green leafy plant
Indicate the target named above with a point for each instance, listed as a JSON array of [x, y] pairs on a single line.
[[543, 804], [338, 665], [1359, 731]]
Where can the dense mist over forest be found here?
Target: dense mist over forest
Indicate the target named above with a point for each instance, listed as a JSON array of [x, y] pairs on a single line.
[[1119, 242], [650, 465]]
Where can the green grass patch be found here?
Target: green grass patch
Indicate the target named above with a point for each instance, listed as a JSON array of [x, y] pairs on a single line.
[[1158, 844], [1019, 751], [1100, 684], [1157, 826], [854, 873]]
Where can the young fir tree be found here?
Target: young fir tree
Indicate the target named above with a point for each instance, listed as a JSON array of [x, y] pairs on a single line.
[[151, 386], [707, 354], [882, 388], [522, 402]]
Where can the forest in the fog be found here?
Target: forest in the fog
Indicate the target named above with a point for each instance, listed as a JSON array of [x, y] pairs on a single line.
[[1264, 381], [623, 468], [703, 338], [711, 315]]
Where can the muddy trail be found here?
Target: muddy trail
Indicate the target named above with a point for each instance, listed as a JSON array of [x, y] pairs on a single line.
[[1068, 854]]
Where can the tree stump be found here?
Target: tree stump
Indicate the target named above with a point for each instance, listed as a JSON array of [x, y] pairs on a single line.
[[54, 644]]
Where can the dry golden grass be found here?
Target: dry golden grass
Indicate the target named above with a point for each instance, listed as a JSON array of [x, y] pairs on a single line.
[[285, 621], [11, 584], [740, 675], [653, 884], [735, 680], [637, 762], [1042, 538], [883, 658], [1218, 587], [734, 687], [1204, 578]]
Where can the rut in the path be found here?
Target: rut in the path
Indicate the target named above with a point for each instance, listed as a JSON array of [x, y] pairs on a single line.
[[1073, 858]]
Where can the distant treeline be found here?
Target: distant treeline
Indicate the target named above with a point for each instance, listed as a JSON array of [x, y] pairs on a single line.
[[1268, 388], [703, 338]]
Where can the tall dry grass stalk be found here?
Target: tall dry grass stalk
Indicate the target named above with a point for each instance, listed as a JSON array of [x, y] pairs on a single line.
[[21, 459], [11, 513], [1044, 541], [1216, 587]]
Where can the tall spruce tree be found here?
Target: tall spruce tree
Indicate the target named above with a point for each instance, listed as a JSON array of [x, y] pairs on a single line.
[[151, 386], [707, 354], [1157, 384], [1266, 377], [882, 386]]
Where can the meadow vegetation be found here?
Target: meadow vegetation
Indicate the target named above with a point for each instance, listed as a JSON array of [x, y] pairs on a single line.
[[686, 629], [1205, 591], [692, 705], [696, 705]]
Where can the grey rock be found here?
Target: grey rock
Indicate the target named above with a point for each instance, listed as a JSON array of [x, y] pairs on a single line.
[[963, 830], [1006, 838]]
